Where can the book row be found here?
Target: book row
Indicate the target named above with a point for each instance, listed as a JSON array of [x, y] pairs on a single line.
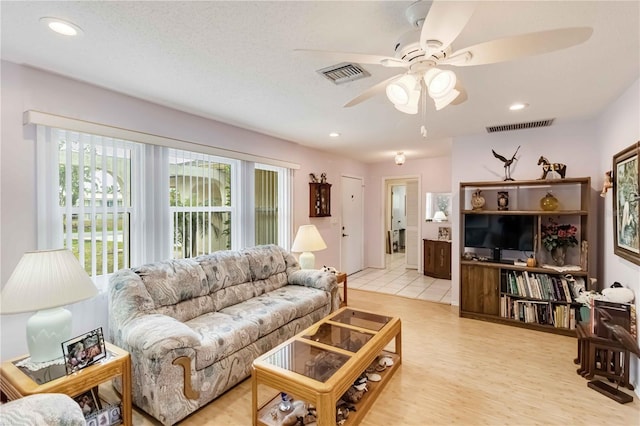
[[539, 286], [560, 316]]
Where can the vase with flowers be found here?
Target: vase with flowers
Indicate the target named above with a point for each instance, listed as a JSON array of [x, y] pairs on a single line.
[[556, 238]]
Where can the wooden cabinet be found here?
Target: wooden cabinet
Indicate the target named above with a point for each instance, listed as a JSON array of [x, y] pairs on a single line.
[[493, 286], [437, 259], [479, 290], [319, 199]]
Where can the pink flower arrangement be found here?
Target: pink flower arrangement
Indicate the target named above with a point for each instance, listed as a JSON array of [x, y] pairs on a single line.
[[556, 235]]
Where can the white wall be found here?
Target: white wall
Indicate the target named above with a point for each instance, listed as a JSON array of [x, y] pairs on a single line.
[[25, 88], [617, 128]]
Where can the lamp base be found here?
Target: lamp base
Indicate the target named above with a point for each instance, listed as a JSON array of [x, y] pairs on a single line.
[[307, 260], [46, 330]]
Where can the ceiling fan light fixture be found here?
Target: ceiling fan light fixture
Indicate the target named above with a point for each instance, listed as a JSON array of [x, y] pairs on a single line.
[[399, 91], [443, 101], [440, 83]]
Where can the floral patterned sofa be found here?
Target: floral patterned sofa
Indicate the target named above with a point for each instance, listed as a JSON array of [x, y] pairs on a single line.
[[42, 409], [194, 326]]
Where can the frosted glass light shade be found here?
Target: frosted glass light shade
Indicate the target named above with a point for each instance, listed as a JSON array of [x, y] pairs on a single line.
[[43, 280], [399, 91], [307, 239]]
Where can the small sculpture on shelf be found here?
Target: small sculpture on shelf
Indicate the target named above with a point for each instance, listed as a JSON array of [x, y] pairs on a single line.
[[507, 163], [503, 200], [313, 178], [549, 202], [477, 200], [323, 178], [608, 183], [559, 168]]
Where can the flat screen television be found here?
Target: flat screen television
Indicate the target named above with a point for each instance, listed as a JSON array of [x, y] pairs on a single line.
[[499, 232]]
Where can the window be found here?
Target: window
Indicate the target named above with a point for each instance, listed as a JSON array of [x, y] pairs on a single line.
[[92, 178], [118, 204], [200, 201]]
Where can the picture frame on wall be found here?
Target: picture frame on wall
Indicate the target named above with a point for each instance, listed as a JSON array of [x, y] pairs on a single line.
[[626, 203]]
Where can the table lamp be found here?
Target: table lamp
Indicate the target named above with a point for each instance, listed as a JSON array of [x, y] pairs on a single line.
[[45, 281], [439, 216], [308, 239]]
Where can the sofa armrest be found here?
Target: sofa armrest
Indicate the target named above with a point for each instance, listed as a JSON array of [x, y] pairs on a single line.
[[155, 335], [313, 278], [42, 409]]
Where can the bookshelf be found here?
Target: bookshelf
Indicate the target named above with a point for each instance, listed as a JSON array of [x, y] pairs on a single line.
[[506, 291]]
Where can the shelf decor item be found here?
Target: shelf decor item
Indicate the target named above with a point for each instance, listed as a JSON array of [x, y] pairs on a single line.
[[626, 203], [559, 168], [503, 200], [556, 238], [549, 202], [507, 163], [477, 200]]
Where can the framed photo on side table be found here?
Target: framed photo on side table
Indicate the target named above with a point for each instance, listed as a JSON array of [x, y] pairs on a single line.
[[84, 350], [626, 203], [89, 402]]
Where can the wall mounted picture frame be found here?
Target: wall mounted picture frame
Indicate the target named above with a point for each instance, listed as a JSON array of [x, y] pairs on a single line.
[[84, 350], [444, 233], [626, 203]]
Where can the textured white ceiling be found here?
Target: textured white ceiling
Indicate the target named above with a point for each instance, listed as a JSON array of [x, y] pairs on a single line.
[[235, 62]]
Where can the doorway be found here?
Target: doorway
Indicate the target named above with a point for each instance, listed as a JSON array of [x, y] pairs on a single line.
[[402, 227]]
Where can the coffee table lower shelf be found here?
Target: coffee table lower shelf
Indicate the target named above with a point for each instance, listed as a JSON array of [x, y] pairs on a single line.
[[265, 417]]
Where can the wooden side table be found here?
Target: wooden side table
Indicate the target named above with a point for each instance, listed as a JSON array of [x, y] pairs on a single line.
[[14, 383], [341, 277]]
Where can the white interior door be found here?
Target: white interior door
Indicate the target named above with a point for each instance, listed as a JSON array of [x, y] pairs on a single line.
[[412, 242], [352, 226]]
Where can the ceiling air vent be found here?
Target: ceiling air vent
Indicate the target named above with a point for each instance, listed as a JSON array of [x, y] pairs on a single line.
[[344, 72], [520, 126]]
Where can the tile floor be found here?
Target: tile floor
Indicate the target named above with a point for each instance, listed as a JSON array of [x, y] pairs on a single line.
[[395, 279]]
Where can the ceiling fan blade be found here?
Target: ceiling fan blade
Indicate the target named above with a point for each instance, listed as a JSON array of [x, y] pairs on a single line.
[[360, 58], [371, 91], [506, 49], [444, 22]]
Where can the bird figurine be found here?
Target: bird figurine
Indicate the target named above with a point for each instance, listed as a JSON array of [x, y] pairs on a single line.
[[507, 163]]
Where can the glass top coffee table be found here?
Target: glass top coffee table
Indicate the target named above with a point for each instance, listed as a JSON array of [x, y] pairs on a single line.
[[319, 364]]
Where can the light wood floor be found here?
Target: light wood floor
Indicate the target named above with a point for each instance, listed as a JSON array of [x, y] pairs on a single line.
[[461, 371]]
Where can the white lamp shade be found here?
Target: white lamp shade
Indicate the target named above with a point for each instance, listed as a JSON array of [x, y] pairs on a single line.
[[308, 239], [440, 82], [46, 279], [439, 216]]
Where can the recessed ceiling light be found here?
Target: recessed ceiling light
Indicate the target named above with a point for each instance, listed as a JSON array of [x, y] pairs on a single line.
[[518, 106], [61, 26], [334, 134]]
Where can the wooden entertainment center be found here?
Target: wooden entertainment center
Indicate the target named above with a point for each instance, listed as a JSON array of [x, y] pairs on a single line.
[[488, 285]]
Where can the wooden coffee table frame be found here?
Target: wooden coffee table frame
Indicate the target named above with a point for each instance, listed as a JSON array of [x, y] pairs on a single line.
[[16, 384], [324, 395]]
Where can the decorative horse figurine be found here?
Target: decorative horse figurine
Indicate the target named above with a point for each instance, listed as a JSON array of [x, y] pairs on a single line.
[[547, 167]]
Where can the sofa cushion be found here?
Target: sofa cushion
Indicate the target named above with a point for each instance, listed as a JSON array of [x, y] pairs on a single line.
[[221, 335], [305, 299], [271, 283], [268, 313], [173, 281], [265, 261], [224, 269]]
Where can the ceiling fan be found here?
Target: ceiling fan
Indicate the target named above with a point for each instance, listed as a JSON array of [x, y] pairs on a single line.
[[423, 53]]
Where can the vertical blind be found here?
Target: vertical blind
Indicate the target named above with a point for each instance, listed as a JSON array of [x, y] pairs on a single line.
[[266, 206], [94, 180]]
